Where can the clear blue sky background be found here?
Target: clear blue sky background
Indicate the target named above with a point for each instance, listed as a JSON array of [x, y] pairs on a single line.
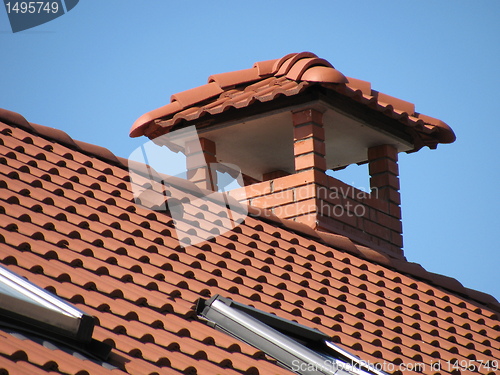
[[93, 71]]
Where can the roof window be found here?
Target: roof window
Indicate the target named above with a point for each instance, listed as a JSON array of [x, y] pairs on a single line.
[[298, 348], [29, 308]]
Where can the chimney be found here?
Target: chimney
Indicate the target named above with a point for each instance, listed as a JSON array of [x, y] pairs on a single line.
[[289, 124]]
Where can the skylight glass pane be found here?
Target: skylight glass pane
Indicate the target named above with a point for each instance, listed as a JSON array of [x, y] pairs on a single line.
[[7, 290], [20, 299], [13, 286]]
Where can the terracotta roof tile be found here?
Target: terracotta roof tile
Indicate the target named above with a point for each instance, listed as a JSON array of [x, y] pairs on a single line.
[[229, 79], [265, 68], [285, 65], [189, 97], [122, 264]]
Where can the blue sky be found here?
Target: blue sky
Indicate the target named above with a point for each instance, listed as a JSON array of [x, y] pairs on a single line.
[[95, 70]]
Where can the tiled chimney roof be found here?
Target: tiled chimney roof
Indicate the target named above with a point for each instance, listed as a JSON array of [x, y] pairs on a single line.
[[288, 76], [68, 224]]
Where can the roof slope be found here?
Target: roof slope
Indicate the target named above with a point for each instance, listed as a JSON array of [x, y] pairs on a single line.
[[288, 76], [69, 224]]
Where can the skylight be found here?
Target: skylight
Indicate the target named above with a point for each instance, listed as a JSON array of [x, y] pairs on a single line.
[[24, 303], [296, 347]]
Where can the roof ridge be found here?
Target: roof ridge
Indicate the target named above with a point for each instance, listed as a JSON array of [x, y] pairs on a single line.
[[338, 242], [60, 136]]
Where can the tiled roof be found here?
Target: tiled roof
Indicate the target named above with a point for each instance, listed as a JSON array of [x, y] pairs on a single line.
[[69, 224], [288, 76]]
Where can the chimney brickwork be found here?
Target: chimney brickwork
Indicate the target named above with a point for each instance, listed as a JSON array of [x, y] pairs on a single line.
[[309, 140], [312, 197]]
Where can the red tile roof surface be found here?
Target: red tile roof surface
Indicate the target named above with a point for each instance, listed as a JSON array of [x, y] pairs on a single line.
[[69, 224], [288, 76]]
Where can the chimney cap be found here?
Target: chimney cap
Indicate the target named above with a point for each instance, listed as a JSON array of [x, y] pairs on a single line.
[[289, 76]]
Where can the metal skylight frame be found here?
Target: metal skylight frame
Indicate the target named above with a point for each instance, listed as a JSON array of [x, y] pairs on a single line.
[[32, 307], [298, 348]]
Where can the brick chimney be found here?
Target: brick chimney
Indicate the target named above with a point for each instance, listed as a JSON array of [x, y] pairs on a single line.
[[289, 121]]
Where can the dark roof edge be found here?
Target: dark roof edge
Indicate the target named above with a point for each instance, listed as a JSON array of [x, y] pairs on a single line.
[[59, 136], [14, 118], [337, 241]]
